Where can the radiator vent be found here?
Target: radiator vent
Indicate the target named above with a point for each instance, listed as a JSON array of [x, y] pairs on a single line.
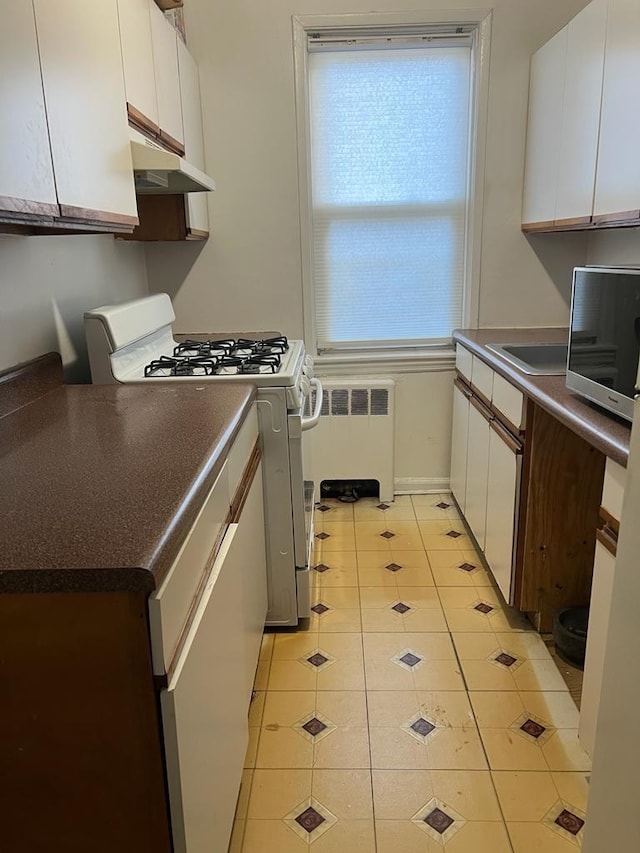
[[354, 401], [354, 438]]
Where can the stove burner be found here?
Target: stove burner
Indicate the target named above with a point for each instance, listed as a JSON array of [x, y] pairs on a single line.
[[268, 345], [215, 349], [229, 361], [254, 363], [196, 366]]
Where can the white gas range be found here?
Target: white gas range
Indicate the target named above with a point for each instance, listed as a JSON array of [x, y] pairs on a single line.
[[134, 343]]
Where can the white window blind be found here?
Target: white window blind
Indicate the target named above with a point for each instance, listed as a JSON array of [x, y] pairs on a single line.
[[389, 153]]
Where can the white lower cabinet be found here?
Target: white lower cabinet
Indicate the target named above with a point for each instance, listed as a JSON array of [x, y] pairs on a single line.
[[477, 471], [459, 438], [502, 501]]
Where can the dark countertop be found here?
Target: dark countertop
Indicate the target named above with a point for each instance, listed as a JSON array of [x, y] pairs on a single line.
[[100, 483], [603, 431]]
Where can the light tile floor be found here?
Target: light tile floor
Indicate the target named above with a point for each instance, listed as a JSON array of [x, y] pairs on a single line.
[[417, 712]]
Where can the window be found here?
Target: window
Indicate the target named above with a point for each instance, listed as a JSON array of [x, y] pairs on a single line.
[[390, 126]]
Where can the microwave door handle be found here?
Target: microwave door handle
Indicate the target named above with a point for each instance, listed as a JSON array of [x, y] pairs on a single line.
[[309, 423]]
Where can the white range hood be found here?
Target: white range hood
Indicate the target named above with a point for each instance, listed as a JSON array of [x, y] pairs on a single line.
[[160, 172]]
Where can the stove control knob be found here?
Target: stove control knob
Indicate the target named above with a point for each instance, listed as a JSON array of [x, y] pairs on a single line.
[[308, 366], [305, 386]]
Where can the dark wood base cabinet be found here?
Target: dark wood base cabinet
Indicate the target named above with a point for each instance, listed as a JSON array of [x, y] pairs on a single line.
[[560, 498], [81, 757]]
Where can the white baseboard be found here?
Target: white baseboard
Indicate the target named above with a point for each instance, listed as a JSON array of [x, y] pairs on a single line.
[[421, 485]]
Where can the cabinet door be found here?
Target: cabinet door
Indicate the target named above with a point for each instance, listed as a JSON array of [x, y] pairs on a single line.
[[477, 473], [165, 63], [204, 711], [581, 113], [253, 561], [26, 169], [502, 500], [86, 110], [197, 209], [618, 177], [459, 436], [546, 97], [137, 62]]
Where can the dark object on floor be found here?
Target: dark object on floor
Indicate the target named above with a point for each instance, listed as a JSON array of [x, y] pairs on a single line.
[[349, 491], [570, 633]]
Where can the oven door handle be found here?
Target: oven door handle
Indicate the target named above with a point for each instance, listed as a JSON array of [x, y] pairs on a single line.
[[309, 423]]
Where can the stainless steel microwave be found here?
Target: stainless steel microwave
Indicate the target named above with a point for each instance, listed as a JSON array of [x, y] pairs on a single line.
[[604, 336]]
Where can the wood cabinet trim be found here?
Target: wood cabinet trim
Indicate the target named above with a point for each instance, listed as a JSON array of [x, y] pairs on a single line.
[[171, 142], [512, 443], [486, 402], [462, 386], [605, 538], [196, 234], [142, 123], [605, 519], [478, 403], [622, 216], [83, 214], [23, 206], [572, 222], [538, 226], [244, 486]]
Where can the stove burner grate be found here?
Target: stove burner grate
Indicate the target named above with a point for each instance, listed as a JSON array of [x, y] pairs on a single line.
[[255, 363], [166, 366], [208, 349]]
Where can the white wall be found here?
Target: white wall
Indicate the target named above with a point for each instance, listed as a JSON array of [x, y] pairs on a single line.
[[248, 275], [46, 284], [618, 247]]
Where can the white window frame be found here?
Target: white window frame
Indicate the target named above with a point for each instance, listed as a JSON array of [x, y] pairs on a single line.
[[398, 359]]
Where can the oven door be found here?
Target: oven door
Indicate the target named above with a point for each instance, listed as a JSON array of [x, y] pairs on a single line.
[[303, 493]]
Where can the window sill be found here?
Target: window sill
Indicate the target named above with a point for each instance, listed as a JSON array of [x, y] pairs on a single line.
[[385, 362]]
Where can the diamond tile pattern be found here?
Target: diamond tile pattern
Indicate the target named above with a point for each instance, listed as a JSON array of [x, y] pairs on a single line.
[[321, 567], [467, 567], [323, 508], [393, 567], [422, 727], [410, 659], [439, 820], [383, 506], [322, 535], [569, 821], [505, 659], [387, 534], [443, 505], [320, 608], [314, 726], [483, 607], [310, 819], [532, 728], [401, 608], [453, 534], [318, 659]]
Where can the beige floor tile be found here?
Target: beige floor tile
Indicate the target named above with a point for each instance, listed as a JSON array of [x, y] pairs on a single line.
[[266, 647], [343, 610], [343, 708], [343, 674], [480, 837], [252, 748], [294, 644], [455, 749], [392, 707], [418, 598], [368, 510], [396, 708], [393, 836], [573, 788], [340, 598], [285, 708], [436, 646], [539, 675], [292, 675], [374, 559], [271, 836], [558, 708], [452, 559], [484, 675], [437, 669], [469, 792], [237, 836], [442, 542], [529, 646], [368, 538], [371, 576], [455, 576], [283, 748], [394, 749], [256, 708], [449, 709], [346, 793], [438, 675], [341, 570], [338, 510], [467, 620], [537, 838], [507, 750], [275, 793], [455, 597], [473, 646], [383, 674], [496, 710], [525, 796], [413, 575], [563, 752], [508, 619], [354, 836], [336, 536], [426, 507], [398, 794], [343, 748]]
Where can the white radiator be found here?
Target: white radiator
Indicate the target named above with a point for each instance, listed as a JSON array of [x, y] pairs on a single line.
[[354, 438]]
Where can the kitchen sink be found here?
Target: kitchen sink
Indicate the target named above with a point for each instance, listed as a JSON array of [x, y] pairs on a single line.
[[535, 359]]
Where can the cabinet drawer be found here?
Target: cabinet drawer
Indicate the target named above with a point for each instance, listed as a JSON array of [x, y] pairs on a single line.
[[464, 361], [242, 448], [170, 605], [508, 401], [482, 377], [613, 489]]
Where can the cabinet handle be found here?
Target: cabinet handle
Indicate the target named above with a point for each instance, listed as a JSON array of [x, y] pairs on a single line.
[[606, 538], [480, 407], [512, 443], [464, 389]]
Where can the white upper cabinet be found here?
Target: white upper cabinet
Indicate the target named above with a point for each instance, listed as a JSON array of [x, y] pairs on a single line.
[[546, 97], [618, 171], [86, 109], [165, 61], [26, 169], [197, 211], [137, 61], [581, 113]]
